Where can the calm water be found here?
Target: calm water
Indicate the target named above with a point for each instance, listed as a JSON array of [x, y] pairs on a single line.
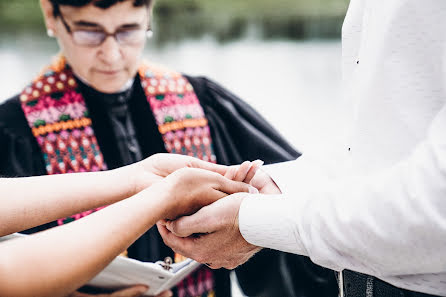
[[295, 85]]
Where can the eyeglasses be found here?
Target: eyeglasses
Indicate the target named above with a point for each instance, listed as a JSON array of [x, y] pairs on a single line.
[[94, 38]]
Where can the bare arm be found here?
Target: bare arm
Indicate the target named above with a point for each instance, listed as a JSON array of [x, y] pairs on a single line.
[[74, 253], [58, 261], [32, 201]]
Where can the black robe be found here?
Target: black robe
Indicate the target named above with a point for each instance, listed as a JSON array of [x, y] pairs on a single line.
[[238, 133]]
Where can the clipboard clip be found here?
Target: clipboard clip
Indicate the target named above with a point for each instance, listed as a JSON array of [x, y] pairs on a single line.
[[166, 264]]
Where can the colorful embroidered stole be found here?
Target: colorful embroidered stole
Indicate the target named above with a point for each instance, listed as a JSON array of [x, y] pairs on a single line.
[[59, 119]]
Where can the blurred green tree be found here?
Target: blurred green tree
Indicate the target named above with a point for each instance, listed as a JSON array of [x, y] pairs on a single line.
[[224, 18]]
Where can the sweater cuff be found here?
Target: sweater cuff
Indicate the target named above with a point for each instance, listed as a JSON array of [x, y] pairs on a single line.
[[268, 221]]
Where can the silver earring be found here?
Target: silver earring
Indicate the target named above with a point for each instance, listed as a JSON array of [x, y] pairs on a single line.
[[50, 32], [149, 33]]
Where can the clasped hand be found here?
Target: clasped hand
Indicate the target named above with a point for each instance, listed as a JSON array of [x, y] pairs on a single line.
[[191, 197], [186, 184], [202, 222]]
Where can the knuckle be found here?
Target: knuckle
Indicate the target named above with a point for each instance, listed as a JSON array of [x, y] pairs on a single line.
[[232, 264], [157, 156], [186, 172], [217, 266], [191, 162], [180, 175], [199, 258], [220, 181], [213, 221]]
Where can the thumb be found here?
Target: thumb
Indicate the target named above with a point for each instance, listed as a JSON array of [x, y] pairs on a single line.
[[200, 222], [134, 291], [209, 219]]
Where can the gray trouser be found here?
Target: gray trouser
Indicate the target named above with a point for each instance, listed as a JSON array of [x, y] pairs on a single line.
[[353, 284]]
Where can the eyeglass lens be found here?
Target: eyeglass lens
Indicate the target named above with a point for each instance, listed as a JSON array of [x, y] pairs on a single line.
[[95, 38]]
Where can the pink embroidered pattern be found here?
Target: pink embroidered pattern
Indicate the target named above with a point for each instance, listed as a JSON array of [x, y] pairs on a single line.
[[200, 284], [178, 113], [59, 120]]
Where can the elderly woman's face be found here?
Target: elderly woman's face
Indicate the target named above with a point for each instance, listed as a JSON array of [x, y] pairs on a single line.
[[107, 66]]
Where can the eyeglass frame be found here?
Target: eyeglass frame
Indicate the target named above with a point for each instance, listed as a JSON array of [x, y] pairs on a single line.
[[70, 31]]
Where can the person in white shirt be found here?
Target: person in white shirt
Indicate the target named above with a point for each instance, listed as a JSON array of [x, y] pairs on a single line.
[[379, 206]]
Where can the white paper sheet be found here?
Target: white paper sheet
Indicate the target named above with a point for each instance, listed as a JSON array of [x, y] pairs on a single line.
[[124, 272]]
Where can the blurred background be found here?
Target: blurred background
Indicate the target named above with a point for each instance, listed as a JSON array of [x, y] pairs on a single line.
[[281, 56]]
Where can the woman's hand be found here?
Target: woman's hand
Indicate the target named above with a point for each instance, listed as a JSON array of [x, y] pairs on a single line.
[[244, 172], [188, 189], [251, 173], [153, 169]]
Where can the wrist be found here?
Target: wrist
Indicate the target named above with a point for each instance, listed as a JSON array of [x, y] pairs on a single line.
[[158, 199], [125, 178], [169, 203]]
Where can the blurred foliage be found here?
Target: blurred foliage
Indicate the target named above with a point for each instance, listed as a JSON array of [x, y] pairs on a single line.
[[225, 19], [20, 14]]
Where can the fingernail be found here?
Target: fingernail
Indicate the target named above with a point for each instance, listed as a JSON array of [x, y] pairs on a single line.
[[252, 190], [259, 162]]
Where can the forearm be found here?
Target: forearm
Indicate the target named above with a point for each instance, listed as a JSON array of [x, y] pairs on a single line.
[[74, 253], [32, 201]]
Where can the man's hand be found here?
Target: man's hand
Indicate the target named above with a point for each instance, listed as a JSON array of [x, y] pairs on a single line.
[[135, 291], [189, 189], [211, 235]]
